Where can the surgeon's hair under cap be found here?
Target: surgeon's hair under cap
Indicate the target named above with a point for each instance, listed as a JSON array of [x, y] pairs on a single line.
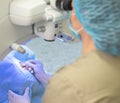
[[101, 19]]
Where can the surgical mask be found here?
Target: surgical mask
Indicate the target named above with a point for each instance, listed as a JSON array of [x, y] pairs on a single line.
[[75, 32]]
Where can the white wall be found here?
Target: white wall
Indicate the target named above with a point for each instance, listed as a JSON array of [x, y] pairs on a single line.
[[9, 32]]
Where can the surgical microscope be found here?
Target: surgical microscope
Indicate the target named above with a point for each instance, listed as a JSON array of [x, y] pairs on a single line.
[[45, 16]]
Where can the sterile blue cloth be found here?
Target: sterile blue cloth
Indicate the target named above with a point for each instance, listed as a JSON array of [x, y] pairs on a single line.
[[14, 78], [56, 54]]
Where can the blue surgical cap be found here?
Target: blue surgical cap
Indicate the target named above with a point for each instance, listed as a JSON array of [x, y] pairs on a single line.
[[101, 20]]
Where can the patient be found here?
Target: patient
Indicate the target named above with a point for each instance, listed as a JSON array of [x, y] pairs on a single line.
[[16, 76]]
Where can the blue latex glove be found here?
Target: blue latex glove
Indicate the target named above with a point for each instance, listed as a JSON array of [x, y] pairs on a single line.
[[36, 68], [28, 55], [15, 98]]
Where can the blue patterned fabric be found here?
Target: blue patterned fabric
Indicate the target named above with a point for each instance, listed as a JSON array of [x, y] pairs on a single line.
[[101, 19]]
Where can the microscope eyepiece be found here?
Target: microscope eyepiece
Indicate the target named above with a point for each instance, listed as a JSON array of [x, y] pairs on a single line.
[[64, 5]]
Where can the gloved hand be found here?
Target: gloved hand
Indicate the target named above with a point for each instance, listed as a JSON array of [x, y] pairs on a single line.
[[36, 67], [15, 98]]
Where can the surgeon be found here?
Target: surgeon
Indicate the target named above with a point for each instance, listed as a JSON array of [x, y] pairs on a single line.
[[95, 76]]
